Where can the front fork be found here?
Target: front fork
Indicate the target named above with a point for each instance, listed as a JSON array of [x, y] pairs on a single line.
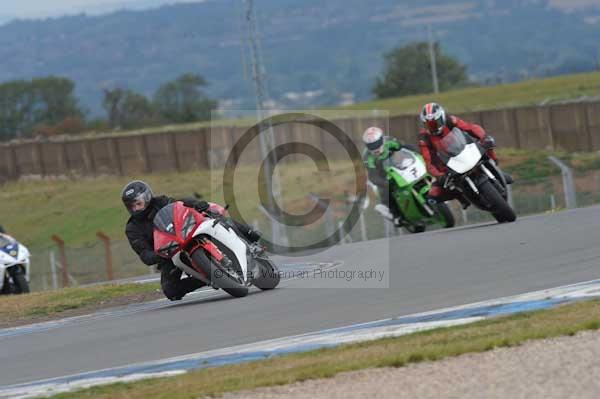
[[421, 196]]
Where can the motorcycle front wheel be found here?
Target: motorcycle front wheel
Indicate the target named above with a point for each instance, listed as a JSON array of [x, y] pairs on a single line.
[[20, 284], [219, 276], [500, 209]]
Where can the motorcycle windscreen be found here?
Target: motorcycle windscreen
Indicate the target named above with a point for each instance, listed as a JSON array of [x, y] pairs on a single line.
[[466, 160], [9, 246], [165, 238], [408, 166], [458, 151], [164, 219], [178, 220]]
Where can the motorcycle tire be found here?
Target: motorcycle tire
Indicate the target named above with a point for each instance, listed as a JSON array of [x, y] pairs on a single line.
[[219, 276], [501, 211], [20, 284], [268, 275], [415, 228], [444, 211]]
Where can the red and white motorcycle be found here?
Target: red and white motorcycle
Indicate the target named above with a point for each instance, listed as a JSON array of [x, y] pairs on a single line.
[[205, 246]]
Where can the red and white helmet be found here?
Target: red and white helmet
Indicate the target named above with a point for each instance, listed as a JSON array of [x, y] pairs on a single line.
[[433, 117], [373, 139]]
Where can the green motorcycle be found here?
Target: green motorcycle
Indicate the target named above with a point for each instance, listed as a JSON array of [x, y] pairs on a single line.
[[409, 183]]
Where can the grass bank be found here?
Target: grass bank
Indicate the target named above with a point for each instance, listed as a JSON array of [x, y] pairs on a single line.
[[40, 306], [529, 92]]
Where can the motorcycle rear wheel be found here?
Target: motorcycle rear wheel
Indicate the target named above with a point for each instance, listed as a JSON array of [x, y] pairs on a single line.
[[446, 214]]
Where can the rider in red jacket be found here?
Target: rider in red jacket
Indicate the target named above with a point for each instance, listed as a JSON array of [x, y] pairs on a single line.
[[436, 125]]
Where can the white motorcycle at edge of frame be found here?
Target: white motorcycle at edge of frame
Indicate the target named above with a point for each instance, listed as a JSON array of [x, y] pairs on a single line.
[[14, 266]]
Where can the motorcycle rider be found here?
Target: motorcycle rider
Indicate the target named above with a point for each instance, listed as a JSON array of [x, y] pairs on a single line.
[[380, 147], [436, 125], [142, 205]]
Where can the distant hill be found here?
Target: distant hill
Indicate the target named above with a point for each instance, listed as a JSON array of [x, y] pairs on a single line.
[[315, 52]]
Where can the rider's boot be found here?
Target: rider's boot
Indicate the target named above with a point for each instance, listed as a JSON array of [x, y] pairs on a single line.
[[508, 178], [464, 202], [399, 221], [384, 211], [185, 286]]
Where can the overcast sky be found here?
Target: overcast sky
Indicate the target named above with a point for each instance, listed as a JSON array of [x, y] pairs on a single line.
[[46, 8]]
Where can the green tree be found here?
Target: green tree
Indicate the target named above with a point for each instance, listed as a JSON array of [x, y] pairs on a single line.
[[55, 100], [112, 105], [407, 70], [43, 101], [181, 100], [137, 111], [127, 109]]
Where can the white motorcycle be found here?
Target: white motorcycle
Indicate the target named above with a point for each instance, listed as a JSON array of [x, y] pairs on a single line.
[[475, 176], [14, 266], [206, 246]]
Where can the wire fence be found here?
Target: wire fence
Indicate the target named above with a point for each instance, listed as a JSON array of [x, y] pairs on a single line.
[[116, 260], [84, 265]]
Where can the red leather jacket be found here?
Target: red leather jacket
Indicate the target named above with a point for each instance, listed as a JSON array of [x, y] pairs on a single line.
[[428, 142]]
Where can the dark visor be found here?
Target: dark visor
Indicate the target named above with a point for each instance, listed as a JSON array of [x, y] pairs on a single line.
[[375, 145]]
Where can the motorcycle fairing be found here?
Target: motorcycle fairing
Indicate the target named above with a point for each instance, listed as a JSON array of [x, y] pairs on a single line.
[[229, 238], [466, 160]]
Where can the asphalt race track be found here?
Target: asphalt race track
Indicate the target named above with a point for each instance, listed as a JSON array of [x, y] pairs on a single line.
[[424, 272]]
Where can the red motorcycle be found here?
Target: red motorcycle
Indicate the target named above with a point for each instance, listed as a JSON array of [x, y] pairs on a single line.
[[206, 246]]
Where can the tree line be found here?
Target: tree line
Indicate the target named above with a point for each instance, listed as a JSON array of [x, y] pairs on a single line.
[[48, 106]]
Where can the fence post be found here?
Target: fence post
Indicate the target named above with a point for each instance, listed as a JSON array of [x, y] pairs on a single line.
[[108, 254], [63, 259], [568, 182], [53, 268]]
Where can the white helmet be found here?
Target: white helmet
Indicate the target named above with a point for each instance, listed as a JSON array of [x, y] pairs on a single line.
[[373, 139]]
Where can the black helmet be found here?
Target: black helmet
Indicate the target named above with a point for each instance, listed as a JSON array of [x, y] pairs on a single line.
[[135, 192]]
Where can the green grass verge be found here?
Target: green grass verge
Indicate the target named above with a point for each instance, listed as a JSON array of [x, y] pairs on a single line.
[[390, 352], [44, 305]]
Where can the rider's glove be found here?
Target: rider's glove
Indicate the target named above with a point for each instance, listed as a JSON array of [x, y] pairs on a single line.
[[199, 205], [488, 142]]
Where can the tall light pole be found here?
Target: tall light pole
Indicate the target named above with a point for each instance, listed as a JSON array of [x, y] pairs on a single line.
[[266, 137], [432, 60]]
